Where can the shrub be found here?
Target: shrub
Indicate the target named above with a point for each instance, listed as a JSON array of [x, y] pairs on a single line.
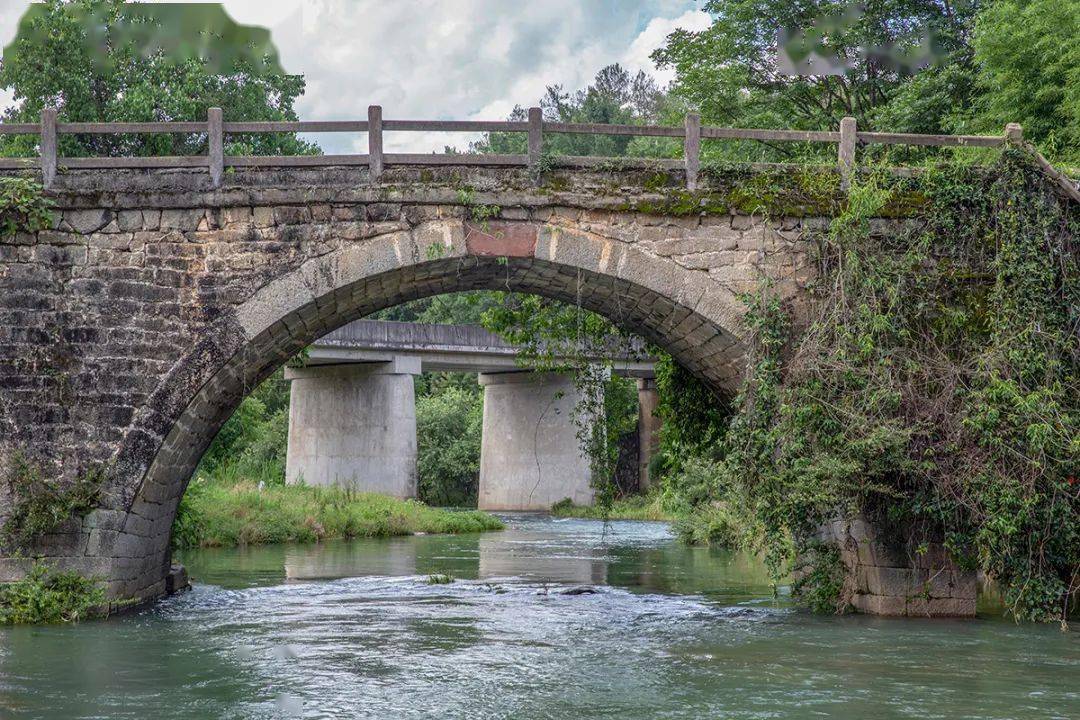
[[448, 428], [47, 596], [39, 506], [23, 208]]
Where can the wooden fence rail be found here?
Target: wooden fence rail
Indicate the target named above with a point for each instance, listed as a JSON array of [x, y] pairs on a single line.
[[692, 134]]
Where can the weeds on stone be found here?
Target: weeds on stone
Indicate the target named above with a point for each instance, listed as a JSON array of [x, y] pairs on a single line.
[[23, 207], [39, 506], [49, 596]]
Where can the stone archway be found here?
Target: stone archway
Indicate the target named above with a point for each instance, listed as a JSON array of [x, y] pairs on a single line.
[[319, 296], [206, 293]]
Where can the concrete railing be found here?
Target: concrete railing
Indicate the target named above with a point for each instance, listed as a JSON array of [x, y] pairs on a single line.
[[215, 128]]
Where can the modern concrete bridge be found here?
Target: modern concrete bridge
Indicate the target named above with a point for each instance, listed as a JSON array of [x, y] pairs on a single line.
[[165, 289], [352, 413]]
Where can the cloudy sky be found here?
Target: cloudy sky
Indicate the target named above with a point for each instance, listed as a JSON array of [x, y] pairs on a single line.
[[444, 59]]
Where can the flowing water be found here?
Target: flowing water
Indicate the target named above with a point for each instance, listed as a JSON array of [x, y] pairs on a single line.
[[356, 630]]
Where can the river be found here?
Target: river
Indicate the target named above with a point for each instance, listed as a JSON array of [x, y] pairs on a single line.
[[357, 630]]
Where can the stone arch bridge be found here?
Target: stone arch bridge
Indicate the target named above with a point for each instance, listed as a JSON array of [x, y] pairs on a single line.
[[131, 329]]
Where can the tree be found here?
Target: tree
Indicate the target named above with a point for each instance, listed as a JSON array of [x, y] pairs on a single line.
[[105, 60], [1029, 70], [731, 73], [614, 97]]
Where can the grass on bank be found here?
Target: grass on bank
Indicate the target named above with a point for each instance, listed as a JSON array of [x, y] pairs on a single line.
[[214, 514], [630, 507]]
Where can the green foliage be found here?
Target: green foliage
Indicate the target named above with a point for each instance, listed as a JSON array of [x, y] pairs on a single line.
[[1029, 71], [48, 596], [23, 207], [448, 426], [614, 97], [628, 507], [217, 513], [252, 442], [694, 418], [39, 506], [463, 308], [134, 63], [935, 390], [819, 579], [729, 71], [440, 579]]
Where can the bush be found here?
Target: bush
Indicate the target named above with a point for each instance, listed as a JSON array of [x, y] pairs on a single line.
[[45, 596], [23, 208], [448, 428], [819, 579], [935, 390]]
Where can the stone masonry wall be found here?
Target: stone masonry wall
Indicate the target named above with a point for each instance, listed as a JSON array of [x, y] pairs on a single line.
[[897, 578]]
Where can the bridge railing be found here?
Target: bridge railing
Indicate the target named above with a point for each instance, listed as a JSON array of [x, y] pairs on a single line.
[[535, 127]]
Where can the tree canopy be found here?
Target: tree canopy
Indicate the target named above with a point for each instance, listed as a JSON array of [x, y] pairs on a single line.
[[106, 60]]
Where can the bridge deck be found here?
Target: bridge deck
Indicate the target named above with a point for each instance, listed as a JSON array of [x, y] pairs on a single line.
[[452, 348]]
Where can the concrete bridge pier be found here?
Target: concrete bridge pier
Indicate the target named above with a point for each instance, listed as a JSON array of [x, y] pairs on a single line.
[[648, 428], [530, 457], [354, 426]]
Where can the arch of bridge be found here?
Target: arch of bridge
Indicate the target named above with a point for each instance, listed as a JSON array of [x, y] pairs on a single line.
[[203, 301]]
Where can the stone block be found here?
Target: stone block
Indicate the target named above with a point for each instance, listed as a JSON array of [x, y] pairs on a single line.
[[263, 217], [87, 221], [182, 220], [885, 606]]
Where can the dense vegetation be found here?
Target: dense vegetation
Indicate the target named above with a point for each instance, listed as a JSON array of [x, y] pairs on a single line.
[[935, 390], [107, 60], [46, 595]]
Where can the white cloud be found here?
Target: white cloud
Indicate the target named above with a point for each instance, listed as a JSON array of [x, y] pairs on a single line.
[[445, 59], [637, 56]]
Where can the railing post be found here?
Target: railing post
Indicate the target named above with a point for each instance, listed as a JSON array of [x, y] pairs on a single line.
[[374, 141], [1014, 134], [48, 146], [846, 156], [536, 140], [215, 140], [692, 149]]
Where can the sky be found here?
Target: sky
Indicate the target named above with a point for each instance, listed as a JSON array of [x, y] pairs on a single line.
[[444, 59]]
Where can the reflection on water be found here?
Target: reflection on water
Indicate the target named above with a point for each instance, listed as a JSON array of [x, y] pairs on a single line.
[[354, 630]]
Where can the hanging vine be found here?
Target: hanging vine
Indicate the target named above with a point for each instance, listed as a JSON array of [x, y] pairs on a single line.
[[936, 389]]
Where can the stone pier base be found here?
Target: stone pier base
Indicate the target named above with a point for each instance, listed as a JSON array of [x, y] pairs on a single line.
[[899, 579], [530, 457], [354, 426]]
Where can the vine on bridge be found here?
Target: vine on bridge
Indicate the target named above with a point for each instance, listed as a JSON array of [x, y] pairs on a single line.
[[935, 389]]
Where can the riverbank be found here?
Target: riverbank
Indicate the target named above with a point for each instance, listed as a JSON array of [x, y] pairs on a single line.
[[631, 507], [214, 514]]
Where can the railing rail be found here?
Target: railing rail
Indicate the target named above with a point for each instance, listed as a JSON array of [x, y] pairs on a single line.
[[216, 161]]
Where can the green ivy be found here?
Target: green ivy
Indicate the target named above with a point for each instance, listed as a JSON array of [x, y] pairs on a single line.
[[23, 207], [935, 389]]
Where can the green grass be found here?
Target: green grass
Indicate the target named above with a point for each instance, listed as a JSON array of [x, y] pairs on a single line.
[[215, 514], [631, 507]]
